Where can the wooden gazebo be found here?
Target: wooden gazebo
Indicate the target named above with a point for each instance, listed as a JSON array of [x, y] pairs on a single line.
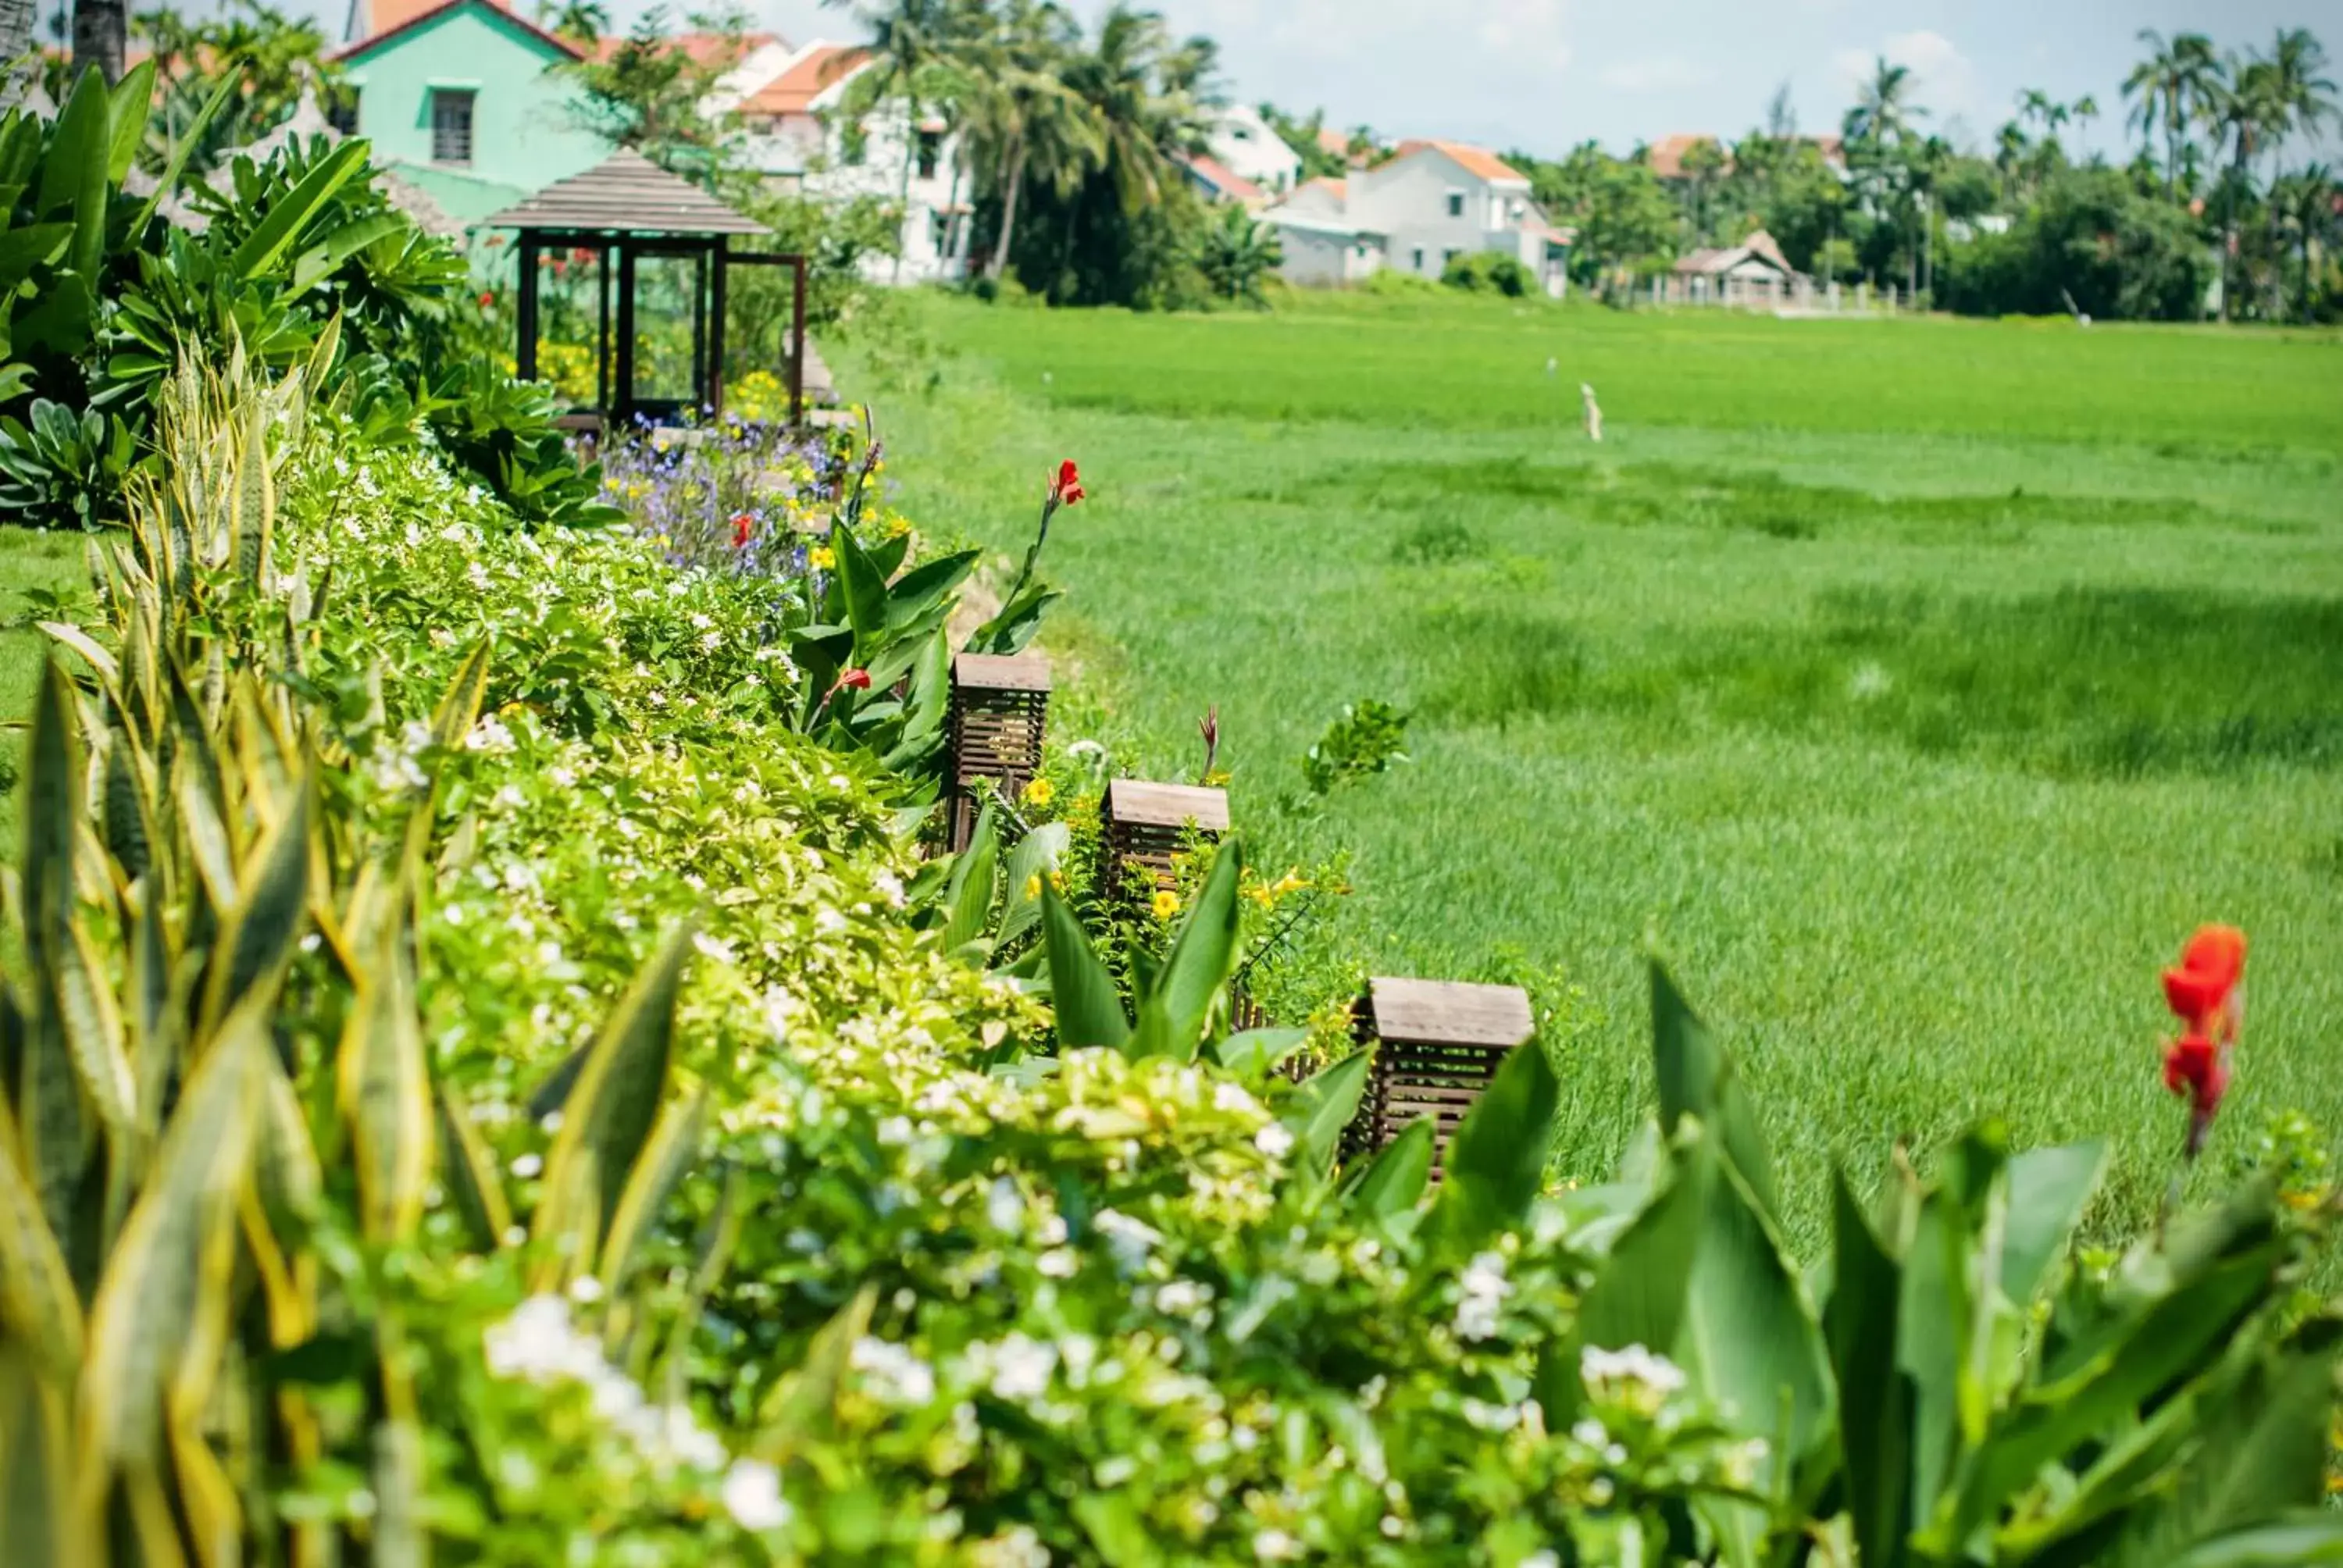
[[633, 224]]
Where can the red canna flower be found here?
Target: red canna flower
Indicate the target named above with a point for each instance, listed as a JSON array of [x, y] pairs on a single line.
[[1067, 488], [859, 679], [488, 299], [2202, 992], [744, 528]]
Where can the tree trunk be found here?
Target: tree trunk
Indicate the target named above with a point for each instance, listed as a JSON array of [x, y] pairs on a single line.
[[17, 20], [903, 193], [100, 36], [999, 259]]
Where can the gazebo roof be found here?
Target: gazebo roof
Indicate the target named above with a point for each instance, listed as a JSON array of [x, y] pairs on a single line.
[[626, 193]]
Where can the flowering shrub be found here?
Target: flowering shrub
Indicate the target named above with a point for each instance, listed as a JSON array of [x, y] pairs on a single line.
[[571, 1127]]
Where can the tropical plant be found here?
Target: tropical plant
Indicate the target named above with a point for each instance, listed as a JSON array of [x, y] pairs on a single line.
[[1237, 253]]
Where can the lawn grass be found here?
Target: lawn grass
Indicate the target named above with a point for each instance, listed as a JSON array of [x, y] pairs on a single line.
[[1915, 687]]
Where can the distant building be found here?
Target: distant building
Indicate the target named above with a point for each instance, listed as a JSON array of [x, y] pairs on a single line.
[[1717, 272], [460, 97], [1426, 203], [1244, 143], [1215, 181], [1665, 157], [802, 140]]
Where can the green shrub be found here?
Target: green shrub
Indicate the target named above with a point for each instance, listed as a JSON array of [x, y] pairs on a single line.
[[1486, 272]]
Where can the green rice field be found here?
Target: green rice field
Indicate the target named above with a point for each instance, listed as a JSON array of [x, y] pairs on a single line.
[[1915, 687]]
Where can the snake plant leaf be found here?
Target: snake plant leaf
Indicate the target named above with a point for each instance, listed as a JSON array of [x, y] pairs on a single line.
[[804, 1401], [470, 1174], [257, 938], [92, 1023], [252, 508], [384, 1084], [674, 1146], [108, 667], [609, 1114], [52, 775], [128, 789], [1088, 1009], [160, 1316], [459, 708], [36, 1464], [38, 1306]]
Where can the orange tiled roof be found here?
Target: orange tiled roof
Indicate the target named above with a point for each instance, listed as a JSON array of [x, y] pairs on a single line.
[[1225, 179], [1339, 189], [820, 68], [1330, 140], [1477, 161], [1667, 156]]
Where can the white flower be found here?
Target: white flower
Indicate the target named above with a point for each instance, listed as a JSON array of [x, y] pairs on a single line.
[[1021, 1367], [1004, 1206], [1274, 1140], [1227, 1096], [534, 1342], [489, 735], [1481, 1292], [890, 888], [779, 1008], [1058, 1263], [753, 1495], [896, 1374], [527, 1166], [1180, 1297], [1541, 1560], [1633, 1377], [708, 947], [1275, 1546], [1130, 1240]]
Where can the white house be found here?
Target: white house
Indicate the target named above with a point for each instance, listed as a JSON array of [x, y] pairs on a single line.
[[1426, 203], [1249, 146], [801, 141]]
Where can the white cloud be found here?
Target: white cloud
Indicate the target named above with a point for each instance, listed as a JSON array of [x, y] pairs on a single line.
[[1666, 72]]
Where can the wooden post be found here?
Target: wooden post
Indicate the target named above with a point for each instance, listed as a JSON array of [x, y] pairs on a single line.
[[1146, 824], [1437, 1045], [999, 709]]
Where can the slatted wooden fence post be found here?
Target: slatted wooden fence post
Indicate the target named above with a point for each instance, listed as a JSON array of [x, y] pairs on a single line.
[[1437, 1044], [1146, 824], [1000, 708]]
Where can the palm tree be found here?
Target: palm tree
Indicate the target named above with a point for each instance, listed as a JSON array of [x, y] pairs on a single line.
[[101, 36], [1023, 117], [2233, 110], [1882, 112], [2306, 202], [581, 21], [2295, 98], [912, 47], [2171, 84], [1137, 85]]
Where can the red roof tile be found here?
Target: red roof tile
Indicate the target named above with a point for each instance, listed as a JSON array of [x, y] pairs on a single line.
[[389, 19], [1226, 181], [1477, 161], [821, 68]]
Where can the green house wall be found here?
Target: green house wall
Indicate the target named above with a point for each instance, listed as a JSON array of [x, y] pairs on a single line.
[[523, 136]]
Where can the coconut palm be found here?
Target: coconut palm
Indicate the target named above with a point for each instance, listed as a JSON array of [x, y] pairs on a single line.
[[581, 21], [2297, 98], [912, 47], [1024, 119], [1883, 111], [2169, 84], [101, 36], [1136, 83], [2305, 203]]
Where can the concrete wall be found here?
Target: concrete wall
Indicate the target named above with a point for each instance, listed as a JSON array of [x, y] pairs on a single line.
[[1248, 146], [523, 137], [1408, 201]]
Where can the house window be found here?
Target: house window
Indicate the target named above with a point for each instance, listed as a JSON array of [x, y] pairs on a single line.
[[1448, 256], [1455, 203], [931, 145], [1419, 258], [451, 125]]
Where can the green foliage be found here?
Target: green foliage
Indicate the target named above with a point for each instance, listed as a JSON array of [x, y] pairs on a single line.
[[2092, 237], [1237, 254], [1365, 739], [1477, 272]]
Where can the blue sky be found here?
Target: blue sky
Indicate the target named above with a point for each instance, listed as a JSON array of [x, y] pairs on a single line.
[[1545, 74]]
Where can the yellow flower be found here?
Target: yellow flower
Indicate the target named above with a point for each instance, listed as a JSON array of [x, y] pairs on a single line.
[[1167, 904], [1033, 886], [821, 558], [1039, 792], [1291, 882]]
